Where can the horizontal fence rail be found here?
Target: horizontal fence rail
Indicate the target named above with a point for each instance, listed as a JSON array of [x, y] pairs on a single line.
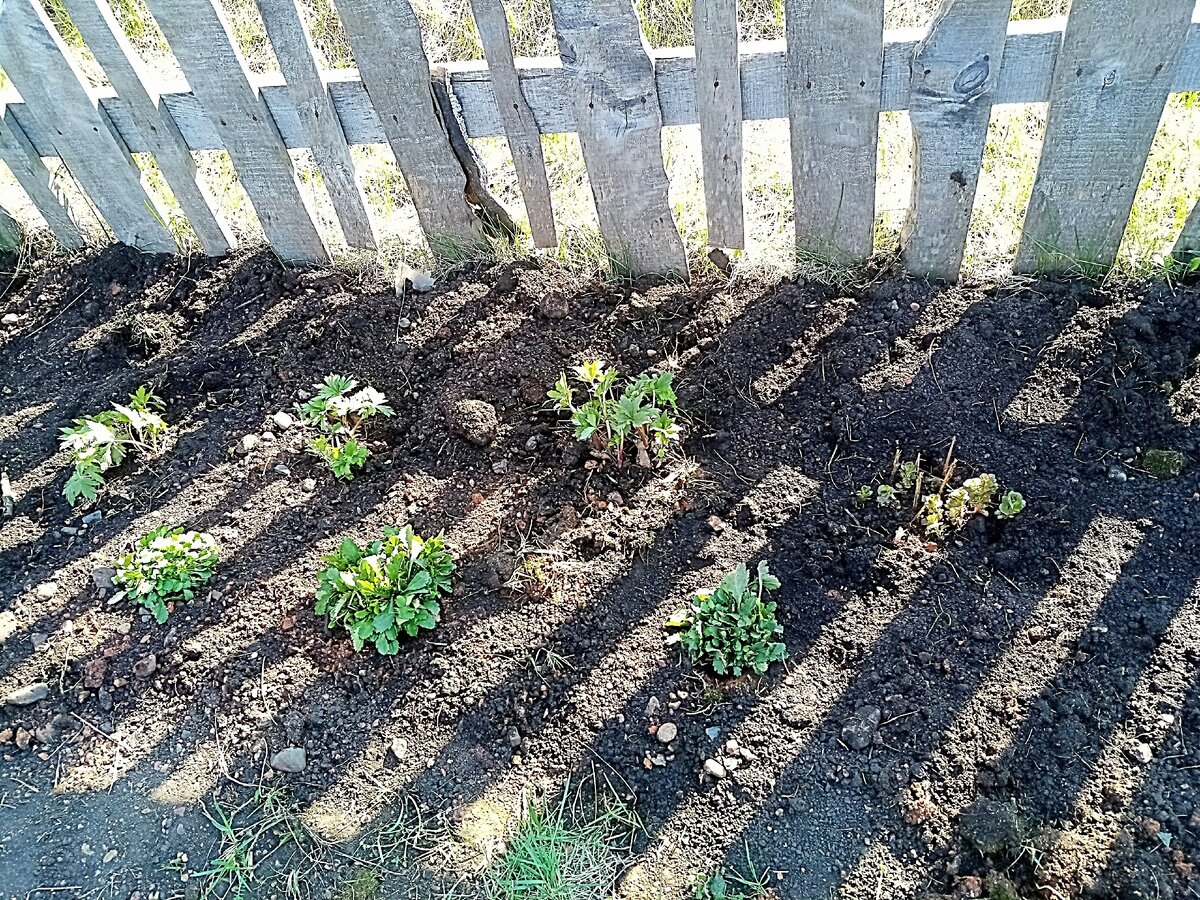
[[1155, 50]]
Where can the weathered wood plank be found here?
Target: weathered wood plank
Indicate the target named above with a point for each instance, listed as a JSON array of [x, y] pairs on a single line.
[[318, 119], [11, 234], [1111, 81], [834, 79], [129, 76], [1029, 54], [1189, 239], [203, 45], [34, 57], [611, 84], [719, 109], [954, 74], [520, 127], [35, 179], [386, 41]]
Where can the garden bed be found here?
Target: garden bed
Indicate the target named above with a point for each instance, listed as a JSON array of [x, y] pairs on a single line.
[[1015, 706]]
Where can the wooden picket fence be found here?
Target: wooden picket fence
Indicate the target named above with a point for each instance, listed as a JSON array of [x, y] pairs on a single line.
[[1106, 72]]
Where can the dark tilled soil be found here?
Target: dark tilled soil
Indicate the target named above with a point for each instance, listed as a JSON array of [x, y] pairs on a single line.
[[1014, 710]]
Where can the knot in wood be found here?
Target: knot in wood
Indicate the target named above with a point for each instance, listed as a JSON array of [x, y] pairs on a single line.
[[972, 79]]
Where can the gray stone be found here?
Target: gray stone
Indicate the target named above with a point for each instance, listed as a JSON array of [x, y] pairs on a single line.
[[290, 760], [28, 695], [666, 733], [93, 517], [102, 577], [714, 769], [859, 730], [10, 319], [712, 731], [991, 826], [513, 736], [47, 589], [283, 420], [146, 666], [249, 442], [1142, 753]]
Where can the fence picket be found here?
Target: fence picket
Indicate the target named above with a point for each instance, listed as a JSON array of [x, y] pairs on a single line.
[[835, 71], [1189, 238], [34, 57], [203, 45], [386, 40], [124, 68], [611, 85], [11, 235], [954, 75], [1110, 85], [33, 176], [719, 109], [524, 139], [319, 120]]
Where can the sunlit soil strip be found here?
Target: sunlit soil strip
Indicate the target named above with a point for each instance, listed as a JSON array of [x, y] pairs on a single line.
[[343, 809], [1034, 656], [769, 387], [670, 859], [12, 424], [1185, 401], [204, 766], [611, 684], [1153, 711], [444, 308], [69, 640], [261, 328], [482, 529], [904, 361]]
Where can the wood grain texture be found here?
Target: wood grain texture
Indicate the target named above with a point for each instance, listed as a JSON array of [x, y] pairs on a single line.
[[611, 84], [203, 45], [386, 41], [36, 180], [1029, 54], [834, 79], [954, 74], [1111, 81], [11, 235], [1189, 238], [106, 39], [34, 57], [719, 110], [520, 127], [317, 118]]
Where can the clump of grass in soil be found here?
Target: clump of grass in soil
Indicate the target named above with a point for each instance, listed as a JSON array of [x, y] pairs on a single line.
[[164, 566], [1163, 464]]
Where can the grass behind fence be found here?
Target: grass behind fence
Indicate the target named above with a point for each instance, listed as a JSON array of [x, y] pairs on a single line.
[[1170, 184]]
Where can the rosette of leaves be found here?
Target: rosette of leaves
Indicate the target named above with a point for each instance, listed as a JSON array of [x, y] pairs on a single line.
[[339, 413], [640, 415], [733, 629], [101, 442], [391, 587], [166, 565]]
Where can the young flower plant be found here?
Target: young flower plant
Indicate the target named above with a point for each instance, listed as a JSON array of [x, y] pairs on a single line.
[[101, 442], [165, 566], [339, 414], [733, 629], [639, 417], [391, 587]]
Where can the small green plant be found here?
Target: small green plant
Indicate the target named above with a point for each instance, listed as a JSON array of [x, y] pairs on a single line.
[[864, 494], [641, 413], [908, 475], [165, 565], [733, 629], [391, 587], [1163, 464], [1011, 505], [725, 884], [885, 495], [339, 413], [101, 442]]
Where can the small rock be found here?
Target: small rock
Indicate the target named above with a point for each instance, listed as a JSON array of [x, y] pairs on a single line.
[[398, 748], [473, 420], [652, 707], [102, 577], [861, 727], [24, 738], [1142, 753], [554, 306], [513, 736], [268, 437], [290, 760], [309, 484], [93, 517], [110, 856], [714, 769], [712, 731], [47, 589], [500, 467], [969, 886], [28, 695], [283, 420], [249, 442], [10, 319], [281, 469], [666, 733], [991, 826], [38, 638], [146, 666]]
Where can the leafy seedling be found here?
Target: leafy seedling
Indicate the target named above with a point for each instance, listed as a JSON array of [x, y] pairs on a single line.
[[339, 414], [101, 442], [641, 414], [864, 494], [733, 629], [166, 565], [885, 495], [390, 588], [1011, 505]]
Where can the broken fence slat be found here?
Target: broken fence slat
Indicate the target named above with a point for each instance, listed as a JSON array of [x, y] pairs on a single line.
[[11, 234], [719, 109], [1111, 82], [203, 45], [954, 75], [35, 179], [611, 85], [33, 55], [319, 120]]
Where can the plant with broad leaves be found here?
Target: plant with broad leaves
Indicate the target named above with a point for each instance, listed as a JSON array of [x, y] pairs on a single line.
[[391, 587], [641, 413], [339, 413], [165, 565], [1011, 505], [101, 442], [885, 495], [733, 629]]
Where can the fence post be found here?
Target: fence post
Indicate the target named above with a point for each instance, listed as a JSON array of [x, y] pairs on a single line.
[[611, 86], [1189, 239], [11, 234], [719, 109], [1110, 85], [33, 176]]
